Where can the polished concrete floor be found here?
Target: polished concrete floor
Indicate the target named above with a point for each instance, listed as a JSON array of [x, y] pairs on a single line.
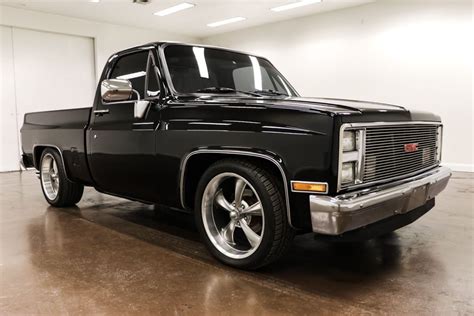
[[112, 256]]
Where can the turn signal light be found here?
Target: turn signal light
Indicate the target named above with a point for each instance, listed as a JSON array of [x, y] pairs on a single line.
[[309, 187]]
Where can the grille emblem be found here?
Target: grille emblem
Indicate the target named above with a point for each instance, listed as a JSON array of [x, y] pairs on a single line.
[[409, 148]]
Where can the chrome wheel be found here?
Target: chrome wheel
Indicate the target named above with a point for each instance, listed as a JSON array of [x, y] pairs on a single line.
[[232, 215], [49, 176]]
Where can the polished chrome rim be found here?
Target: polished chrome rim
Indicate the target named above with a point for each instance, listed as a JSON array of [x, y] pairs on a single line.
[[50, 176], [232, 215]]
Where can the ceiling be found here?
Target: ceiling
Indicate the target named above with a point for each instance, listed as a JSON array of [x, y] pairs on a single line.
[[191, 22]]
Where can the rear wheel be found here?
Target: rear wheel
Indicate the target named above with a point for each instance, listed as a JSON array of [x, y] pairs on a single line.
[[241, 214], [57, 189]]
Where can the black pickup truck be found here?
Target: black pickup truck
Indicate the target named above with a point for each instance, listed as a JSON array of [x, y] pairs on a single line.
[[224, 135]]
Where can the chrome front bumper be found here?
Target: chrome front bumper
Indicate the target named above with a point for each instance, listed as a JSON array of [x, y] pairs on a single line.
[[343, 213]]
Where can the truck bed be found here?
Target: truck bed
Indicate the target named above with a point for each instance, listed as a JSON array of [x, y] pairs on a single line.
[[62, 129]]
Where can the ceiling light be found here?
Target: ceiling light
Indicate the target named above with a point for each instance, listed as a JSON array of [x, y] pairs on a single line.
[[94, 1], [174, 9], [224, 22], [294, 5]]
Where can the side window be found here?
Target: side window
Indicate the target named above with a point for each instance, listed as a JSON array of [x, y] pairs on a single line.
[[152, 81], [132, 67]]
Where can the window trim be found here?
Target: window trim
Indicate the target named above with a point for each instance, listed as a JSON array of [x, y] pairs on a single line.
[[158, 77], [154, 68]]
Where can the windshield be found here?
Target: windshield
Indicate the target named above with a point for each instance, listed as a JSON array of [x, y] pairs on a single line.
[[209, 70]]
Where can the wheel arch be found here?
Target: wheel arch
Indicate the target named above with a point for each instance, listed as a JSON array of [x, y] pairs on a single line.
[[195, 163], [38, 152]]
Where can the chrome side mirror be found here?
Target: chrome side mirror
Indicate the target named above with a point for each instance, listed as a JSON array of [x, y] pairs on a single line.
[[140, 109], [116, 90]]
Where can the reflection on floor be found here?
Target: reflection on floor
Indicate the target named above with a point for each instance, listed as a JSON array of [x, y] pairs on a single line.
[[113, 256]]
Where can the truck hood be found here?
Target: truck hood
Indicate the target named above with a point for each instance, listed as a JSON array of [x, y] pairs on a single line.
[[349, 110], [326, 105], [354, 105]]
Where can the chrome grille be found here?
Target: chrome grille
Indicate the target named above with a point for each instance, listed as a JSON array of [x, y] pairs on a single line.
[[385, 154]]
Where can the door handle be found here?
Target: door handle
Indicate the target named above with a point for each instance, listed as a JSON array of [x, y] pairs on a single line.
[[101, 112]]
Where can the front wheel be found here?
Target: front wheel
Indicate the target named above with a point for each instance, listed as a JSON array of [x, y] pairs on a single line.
[[241, 214], [57, 189]]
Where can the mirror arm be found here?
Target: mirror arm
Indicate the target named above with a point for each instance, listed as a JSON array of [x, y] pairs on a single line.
[[137, 93], [141, 108]]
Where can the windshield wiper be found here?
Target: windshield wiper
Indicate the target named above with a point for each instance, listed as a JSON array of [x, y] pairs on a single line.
[[226, 90], [270, 92]]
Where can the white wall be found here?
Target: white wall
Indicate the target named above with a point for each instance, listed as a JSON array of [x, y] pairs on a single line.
[[8, 117], [414, 53], [43, 71], [52, 62], [108, 38]]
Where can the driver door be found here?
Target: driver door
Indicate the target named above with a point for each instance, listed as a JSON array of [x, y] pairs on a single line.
[[122, 147]]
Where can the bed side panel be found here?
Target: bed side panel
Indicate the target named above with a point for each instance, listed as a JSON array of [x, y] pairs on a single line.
[[64, 129]]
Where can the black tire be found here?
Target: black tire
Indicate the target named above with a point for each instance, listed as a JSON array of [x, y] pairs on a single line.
[[68, 193], [277, 235]]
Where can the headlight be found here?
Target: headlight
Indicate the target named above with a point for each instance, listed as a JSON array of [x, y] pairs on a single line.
[[351, 156], [347, 172], [349, 142]]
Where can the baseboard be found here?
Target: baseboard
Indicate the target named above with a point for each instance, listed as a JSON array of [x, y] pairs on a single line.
[[7, 171], [463, 167]]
